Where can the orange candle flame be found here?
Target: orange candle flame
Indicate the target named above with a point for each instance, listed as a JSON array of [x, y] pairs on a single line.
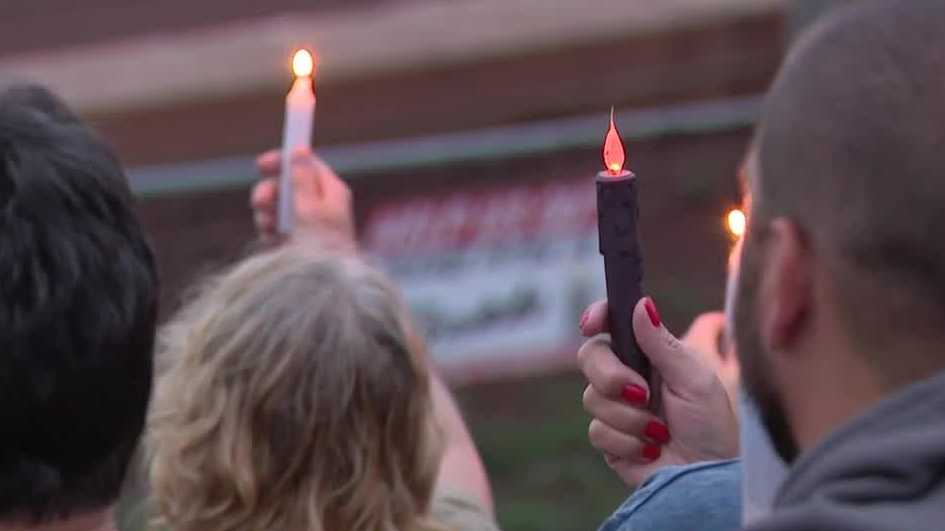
[[614, 155], [303, 63], [736, 222]]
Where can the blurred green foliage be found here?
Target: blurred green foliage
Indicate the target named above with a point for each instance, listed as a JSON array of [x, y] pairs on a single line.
[[533, 437]]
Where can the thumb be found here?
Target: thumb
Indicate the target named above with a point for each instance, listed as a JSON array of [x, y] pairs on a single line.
[[305, 173], [682, 371]]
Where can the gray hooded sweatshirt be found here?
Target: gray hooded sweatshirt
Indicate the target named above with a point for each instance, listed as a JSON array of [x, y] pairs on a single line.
[[884, 471]]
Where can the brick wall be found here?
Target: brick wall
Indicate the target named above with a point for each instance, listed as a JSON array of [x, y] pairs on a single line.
[[688, 182]]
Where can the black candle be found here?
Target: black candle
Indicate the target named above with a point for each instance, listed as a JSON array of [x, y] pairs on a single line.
[[617, 214]]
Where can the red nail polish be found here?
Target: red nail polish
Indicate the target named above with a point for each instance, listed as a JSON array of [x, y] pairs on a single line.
[[651, 452], [657, 431], [651, 311], [634, 394], [584, 317]]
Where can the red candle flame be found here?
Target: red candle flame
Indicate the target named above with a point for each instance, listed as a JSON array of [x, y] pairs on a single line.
[[614, 155]]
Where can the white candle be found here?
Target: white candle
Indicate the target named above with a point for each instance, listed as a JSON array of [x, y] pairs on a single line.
[[296, 133]]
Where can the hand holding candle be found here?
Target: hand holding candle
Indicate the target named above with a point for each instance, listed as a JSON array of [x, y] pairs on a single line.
[[297, 131], [617, 212], [322, 202]]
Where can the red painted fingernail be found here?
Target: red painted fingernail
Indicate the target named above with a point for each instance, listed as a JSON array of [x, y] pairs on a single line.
[[651, 452], [657, 431], [634, 394], [651, 311], [584, 317]]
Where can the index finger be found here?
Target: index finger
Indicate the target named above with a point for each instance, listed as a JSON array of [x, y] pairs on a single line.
[[594, 320], [604, 371], [269, 163], [263, 196]]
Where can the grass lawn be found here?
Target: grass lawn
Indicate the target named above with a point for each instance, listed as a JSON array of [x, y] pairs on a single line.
[[533, 436]]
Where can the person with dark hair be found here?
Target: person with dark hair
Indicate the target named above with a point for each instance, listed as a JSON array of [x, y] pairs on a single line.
[[78, 308], [838, 303]]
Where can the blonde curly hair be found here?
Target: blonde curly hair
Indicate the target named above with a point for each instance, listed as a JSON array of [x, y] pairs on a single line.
[[291, 396]]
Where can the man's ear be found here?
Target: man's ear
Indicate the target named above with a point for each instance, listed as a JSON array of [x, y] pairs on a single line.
[[786, 291]]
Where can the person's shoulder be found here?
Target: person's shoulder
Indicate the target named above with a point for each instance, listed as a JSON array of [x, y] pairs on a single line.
[[704, 495], [461, 511]]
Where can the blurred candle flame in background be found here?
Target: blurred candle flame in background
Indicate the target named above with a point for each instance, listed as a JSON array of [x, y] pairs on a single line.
[[735, 222], [303, 64]]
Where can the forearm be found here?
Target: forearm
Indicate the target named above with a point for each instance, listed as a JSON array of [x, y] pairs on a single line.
[[461, 467]]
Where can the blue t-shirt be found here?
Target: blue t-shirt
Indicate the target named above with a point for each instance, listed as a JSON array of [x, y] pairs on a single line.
[[704, 496]]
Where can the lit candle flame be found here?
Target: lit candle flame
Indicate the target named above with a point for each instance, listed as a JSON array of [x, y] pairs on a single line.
[[736, 222], [303, 63], [614, 155]]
